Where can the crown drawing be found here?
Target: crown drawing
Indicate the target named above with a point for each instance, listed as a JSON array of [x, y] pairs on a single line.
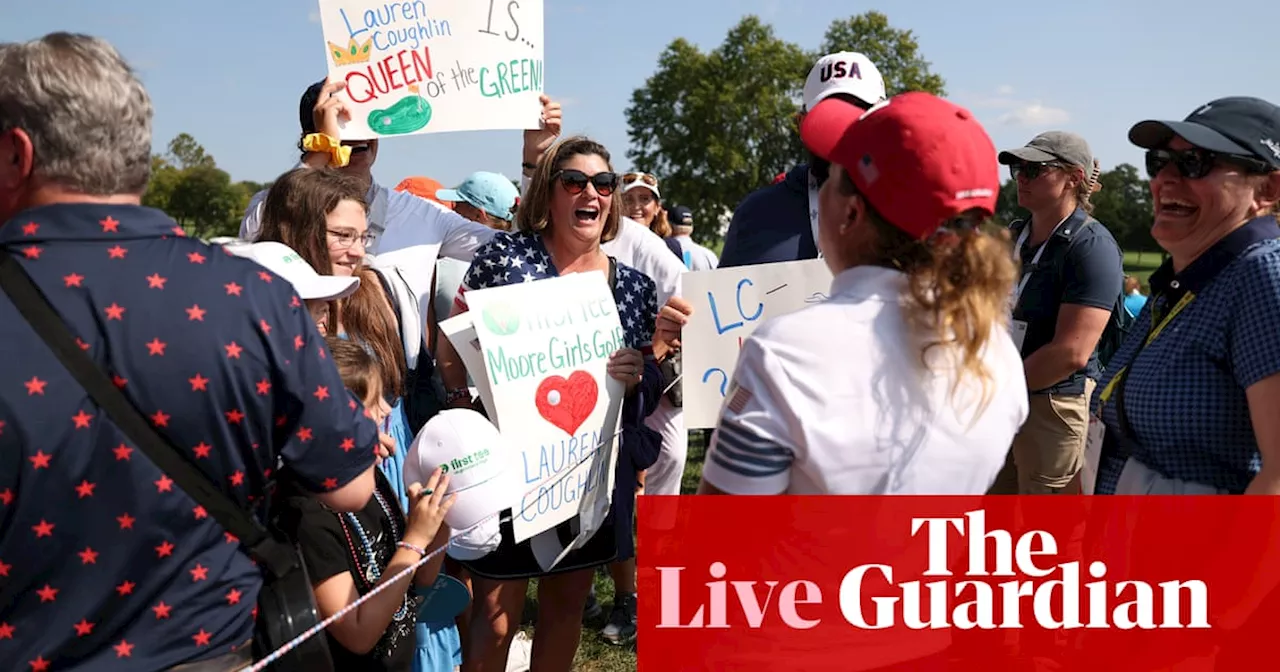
[[354, 52]]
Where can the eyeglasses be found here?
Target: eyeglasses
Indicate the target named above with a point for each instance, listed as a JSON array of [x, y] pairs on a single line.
[[1029, 170], [1196, 163], [574, 181], [346, 237], [644, 177]]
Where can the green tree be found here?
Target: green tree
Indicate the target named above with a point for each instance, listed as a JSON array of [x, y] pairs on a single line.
[[895, 52], [205, 202], [1007, 208], [187, 184], [713, 126], [1124, 205], [185, 152]]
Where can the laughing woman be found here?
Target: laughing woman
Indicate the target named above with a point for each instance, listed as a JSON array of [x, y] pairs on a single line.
[[571, 206], [1189, 400]]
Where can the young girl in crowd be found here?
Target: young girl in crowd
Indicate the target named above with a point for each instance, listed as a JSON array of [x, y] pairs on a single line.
[[322, 215], [348, 554]]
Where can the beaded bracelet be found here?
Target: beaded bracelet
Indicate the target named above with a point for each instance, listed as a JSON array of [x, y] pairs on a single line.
[[416, 549]]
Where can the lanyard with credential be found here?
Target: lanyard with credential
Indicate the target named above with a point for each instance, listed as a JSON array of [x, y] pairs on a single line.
[[813, 212], [1115, 388], [1031, 268]]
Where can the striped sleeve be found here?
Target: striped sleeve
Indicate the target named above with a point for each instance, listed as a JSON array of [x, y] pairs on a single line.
[[751, 451]]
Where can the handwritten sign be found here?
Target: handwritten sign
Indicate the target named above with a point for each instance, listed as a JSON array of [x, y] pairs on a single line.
[[728, 304], [461, 332], [429, 67], [546, 345]]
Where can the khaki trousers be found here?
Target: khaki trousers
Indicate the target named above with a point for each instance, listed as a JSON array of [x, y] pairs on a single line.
[[1048, 451]]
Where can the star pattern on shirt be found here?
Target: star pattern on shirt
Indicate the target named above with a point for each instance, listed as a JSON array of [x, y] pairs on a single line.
[[521, 257], [219, 324]]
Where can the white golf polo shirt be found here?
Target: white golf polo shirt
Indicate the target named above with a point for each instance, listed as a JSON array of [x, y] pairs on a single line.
[[834, 399]]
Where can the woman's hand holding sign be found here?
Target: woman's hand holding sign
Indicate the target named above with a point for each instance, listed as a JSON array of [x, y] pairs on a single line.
[[666, 332], [627, 367], [539, 140]]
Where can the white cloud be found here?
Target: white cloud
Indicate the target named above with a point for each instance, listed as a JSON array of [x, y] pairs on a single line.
[[1034, 114], [314, 17], [1015, 111]]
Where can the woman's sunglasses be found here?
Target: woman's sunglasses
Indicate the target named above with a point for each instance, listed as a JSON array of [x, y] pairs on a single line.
[[1193, 164], [1030, 171], [645, 177], [574, 181]]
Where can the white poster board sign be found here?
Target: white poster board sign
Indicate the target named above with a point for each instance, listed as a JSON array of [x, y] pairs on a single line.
[[546, 345], [728, 304], [419, 66], [461, 333]]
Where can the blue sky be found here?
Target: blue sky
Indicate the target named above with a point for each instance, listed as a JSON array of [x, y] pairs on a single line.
[[230, 72]]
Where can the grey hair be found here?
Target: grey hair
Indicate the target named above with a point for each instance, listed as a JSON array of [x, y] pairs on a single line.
[[86, 112]]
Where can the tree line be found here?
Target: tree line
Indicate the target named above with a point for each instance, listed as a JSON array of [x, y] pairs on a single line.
[[714, 126], [187, 184], [717, 125]]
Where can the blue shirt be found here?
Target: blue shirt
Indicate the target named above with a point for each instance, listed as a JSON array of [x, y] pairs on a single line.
[[772, 224], [105, 564], [1134, 303], [1082, 266], [1184, 394]]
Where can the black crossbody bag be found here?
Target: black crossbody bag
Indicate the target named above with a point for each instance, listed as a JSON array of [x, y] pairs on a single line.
[[286, 603]]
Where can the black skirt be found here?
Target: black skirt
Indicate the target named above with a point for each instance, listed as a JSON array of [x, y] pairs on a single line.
[[511, 561]]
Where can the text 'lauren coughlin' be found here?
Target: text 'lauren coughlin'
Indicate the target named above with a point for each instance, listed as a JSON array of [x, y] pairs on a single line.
[[968, 601]]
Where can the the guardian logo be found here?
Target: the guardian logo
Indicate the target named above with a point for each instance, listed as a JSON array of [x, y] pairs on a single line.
[[1038, 593]]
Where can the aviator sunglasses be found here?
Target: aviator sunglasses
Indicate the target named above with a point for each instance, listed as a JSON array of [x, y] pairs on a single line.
[[1196, 163], [574, 181]]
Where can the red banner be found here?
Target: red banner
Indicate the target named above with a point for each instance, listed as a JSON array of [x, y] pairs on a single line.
[[959, 583]]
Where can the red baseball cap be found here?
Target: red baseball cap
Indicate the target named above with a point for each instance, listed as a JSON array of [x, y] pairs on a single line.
[[918, 159]]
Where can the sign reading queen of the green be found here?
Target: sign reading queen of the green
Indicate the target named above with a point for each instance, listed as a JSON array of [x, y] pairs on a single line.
[[546, 345], [420, 66]]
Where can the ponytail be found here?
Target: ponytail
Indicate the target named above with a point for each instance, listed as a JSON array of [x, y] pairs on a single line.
[[959, 282], [1088, 187]]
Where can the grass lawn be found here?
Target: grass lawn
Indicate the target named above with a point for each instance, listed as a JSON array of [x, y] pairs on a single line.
[[594, 655], [1141, 264]]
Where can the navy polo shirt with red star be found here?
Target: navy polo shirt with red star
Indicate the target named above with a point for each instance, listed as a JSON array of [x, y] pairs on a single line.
[[105, 564]]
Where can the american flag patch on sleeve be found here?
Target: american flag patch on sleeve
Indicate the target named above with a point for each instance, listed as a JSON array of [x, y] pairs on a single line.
[[738, 400]]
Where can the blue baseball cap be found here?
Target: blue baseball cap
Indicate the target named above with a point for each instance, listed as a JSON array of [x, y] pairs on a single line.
[[491, 192], [1239, 125]]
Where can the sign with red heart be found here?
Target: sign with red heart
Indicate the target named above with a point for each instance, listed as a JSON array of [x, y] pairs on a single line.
[[549, 342], [567, 403]]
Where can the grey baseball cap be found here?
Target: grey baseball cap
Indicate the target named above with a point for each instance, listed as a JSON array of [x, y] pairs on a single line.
[[1052, 146]]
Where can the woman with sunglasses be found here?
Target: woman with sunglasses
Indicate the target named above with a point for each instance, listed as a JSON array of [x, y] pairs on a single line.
[[1189, 403], [570, 207], [1072, 281], [643, 202]]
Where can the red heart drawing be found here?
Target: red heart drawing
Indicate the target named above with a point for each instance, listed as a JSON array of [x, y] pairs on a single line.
[[568, 403]]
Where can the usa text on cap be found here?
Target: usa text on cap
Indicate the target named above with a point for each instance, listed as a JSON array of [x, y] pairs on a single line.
[[845, 72]]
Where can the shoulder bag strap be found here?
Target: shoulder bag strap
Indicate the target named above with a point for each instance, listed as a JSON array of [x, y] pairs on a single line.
[[33, 305], [613, 274]]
